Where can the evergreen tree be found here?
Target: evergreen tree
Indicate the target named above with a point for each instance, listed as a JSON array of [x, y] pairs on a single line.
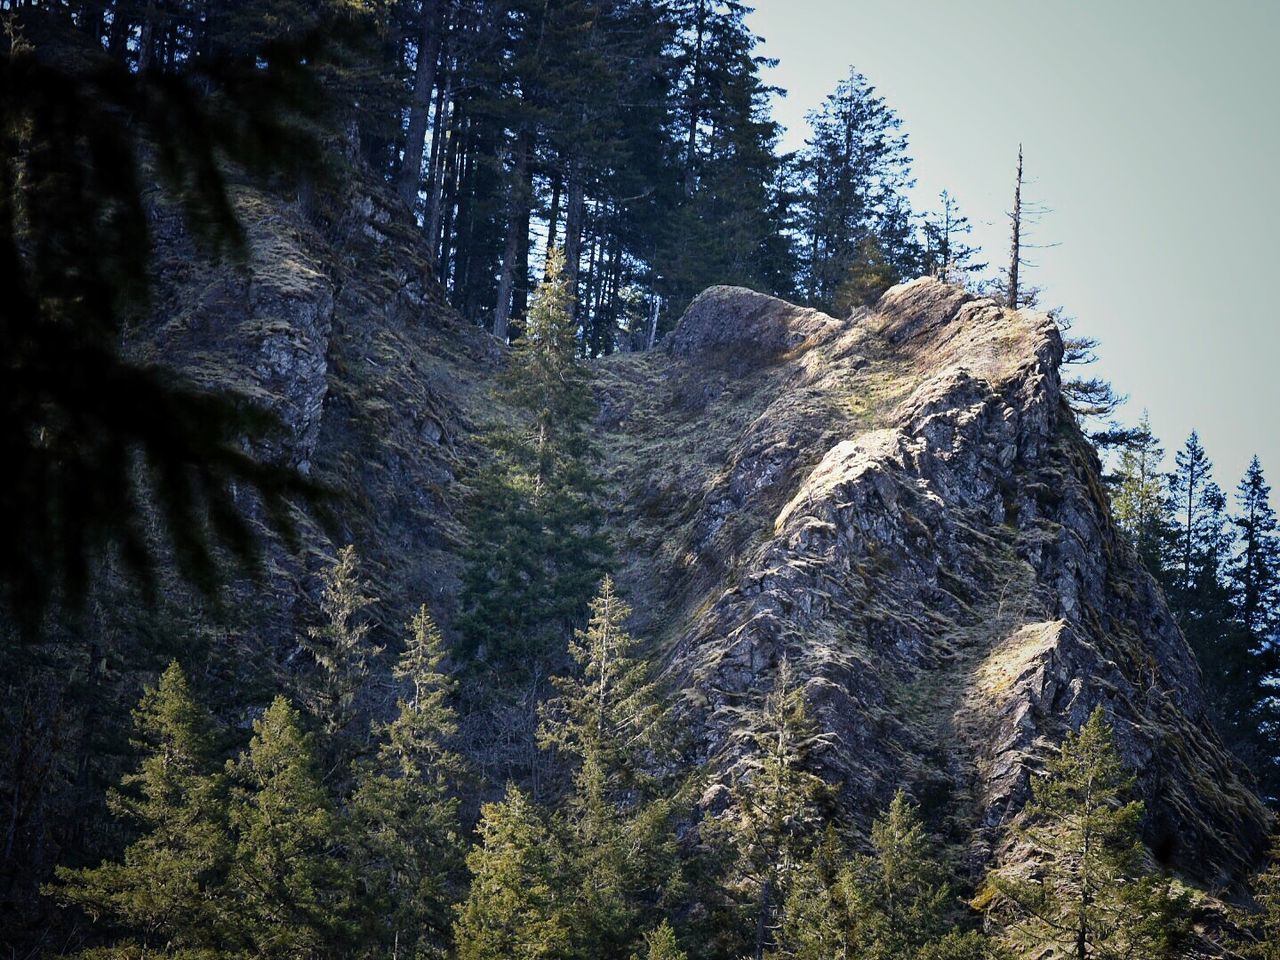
[[340, 647], [1090, 895], [407, 845], [1196, 506], [661, 944], [538, 547], [868, 275], [1138, 497], [608, 722], [894, 904], [1202, 595], [290, 889], [1253, 576], [1258, 929], [855, 167], [776, 804], [516, 908], [168, 890], [946, 253], [1255, 571]]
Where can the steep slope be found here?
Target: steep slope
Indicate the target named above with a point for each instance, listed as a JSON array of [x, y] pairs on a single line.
[[901, 505], [337, 330]]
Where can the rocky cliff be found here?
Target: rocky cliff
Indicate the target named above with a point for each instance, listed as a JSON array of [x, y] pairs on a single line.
[[902, 506], [899, 503]]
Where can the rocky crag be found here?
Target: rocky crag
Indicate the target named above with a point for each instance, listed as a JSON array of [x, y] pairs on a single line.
[[902, 505]]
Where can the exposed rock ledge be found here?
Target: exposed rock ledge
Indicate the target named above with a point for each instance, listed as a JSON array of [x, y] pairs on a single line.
[[901, 505]]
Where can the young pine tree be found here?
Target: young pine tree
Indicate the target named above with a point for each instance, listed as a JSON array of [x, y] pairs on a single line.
[[1090, 895], [537, 546], [291, 887], [340, 647], [894, 904], [947, 255], [776, 805], [408, 848], [518, 907], [607, 721], [661, 944], [170, 888]]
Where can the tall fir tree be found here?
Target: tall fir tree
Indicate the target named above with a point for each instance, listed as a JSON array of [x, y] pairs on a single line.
[[776, 809], [1255, 570], [538, 545], [518, 907], [341, 650], [1090, 894], [608, 722], [856, 170], [1196, 508], [169, 889], [1138, 498], [407, 846], [1253, 576], [289, 878], [892, 904]]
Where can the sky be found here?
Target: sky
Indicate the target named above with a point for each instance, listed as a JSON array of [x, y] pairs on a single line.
[[1151, 133]]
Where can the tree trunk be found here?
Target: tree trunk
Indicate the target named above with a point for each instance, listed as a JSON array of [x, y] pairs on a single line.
[[517, 213], [1015, 252], [574, 211], [435, 207], [424, 81], [553, 218], [695, 102]]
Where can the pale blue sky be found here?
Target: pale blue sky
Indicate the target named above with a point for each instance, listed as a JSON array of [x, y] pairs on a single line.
[[1151, 130]]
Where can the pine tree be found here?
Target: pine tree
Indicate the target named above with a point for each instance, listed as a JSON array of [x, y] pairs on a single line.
[[168, 890], [516, 908], [1253, 576], [1089, 895], [1138, 498], [408, 847], [661, 944], [1255, 571], [1258, 929], [538, 547], [609, 723], [290, 887], [856, 170], [946, 255], [776, 804], [893, 904], [340, 646]]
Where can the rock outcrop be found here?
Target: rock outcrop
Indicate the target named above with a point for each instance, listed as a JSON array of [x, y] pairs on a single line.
[[901, 505]]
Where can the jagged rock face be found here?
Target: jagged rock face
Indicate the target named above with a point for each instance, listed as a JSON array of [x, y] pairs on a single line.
[[343, 338], [901, 505]]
